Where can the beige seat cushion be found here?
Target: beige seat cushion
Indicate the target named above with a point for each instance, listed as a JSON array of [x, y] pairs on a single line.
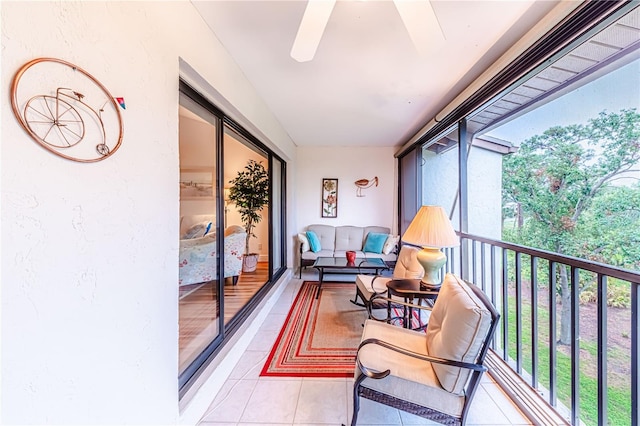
[[411, 379], [457, 327], [407, 267]]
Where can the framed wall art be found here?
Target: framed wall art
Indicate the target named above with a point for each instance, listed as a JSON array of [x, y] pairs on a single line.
[[196, 184], [329, 197]]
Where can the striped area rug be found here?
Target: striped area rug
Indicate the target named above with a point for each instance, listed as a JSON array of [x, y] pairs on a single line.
[[320, 336]]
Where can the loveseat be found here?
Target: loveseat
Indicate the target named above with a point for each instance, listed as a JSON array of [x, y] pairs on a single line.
[[198, 247], [335, 241]]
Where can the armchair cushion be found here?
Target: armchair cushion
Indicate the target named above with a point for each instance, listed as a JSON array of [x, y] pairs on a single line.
[[411, 379], [407, 267], [456, 331]]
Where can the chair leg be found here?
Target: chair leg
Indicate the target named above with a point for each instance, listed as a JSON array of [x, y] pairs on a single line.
[[356, 396], [235, 279]]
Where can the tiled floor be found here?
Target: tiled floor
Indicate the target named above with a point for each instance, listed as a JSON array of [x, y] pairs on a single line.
[[248, 399]]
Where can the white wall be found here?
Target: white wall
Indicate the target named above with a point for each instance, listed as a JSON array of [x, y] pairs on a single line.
[[484, 174], [89, 251], [377, 207]]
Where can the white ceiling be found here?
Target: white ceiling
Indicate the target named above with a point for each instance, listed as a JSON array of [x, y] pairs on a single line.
[[367, 85]]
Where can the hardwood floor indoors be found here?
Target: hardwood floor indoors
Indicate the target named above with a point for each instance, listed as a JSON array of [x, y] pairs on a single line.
[[199, 310]]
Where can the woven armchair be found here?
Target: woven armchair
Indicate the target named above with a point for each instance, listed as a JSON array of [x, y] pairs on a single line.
[[432, 374]]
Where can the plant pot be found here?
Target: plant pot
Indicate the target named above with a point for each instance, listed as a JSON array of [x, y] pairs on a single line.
[[250, 262]]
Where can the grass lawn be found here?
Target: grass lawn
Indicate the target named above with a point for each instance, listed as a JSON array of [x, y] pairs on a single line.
[[619, 399]]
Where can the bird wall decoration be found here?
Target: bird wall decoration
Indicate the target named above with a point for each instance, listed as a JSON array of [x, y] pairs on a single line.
[[364, 184]]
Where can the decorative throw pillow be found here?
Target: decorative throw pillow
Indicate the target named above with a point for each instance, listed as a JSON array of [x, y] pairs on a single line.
[[304, 241], [196, 231], [374, 242], [314, 241], [390, 243]]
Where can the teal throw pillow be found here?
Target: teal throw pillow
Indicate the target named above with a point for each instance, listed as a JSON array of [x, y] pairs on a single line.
[[314, 241], [374, 243]]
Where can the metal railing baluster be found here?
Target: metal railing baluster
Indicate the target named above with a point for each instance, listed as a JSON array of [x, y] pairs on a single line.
[[505, 306], [635, 354], [494, 287], [518, 261], [575, 346], [534, 321], [602, 349], [553, 333]]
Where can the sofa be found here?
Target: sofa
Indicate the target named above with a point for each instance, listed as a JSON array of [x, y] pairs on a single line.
[[335, 241], [198, 248]]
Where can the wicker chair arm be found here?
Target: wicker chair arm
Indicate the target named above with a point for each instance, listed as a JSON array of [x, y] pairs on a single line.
[[403, 351]]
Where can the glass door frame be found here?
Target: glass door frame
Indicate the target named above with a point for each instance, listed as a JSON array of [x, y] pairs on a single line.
[[202, 361]]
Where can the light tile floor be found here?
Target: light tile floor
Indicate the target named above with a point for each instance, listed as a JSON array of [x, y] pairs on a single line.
[[248, 399]]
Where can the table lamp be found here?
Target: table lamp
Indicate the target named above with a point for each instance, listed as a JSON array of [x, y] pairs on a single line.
[[431, 229]]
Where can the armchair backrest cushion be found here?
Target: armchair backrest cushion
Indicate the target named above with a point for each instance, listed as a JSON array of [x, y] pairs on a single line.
[[407, 265], [457, 328]]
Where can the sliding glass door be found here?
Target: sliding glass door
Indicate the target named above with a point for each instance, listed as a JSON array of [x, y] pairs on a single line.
[[247, 213], [230, 247], [198, 257]]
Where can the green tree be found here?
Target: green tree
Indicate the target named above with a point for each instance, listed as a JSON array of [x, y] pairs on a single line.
[[554, 178], [610, 228]]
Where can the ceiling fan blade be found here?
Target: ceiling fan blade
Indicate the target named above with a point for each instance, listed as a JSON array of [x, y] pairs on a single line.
[[312, 26], [421, 23]]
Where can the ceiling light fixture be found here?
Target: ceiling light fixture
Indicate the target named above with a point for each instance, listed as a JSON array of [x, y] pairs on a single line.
[[417, 16]]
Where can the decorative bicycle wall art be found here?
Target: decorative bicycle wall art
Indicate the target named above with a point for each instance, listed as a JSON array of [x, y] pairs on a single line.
[[66, 110]]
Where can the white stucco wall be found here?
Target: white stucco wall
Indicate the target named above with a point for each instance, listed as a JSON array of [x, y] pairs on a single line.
[[347, 164], [89, 299], [484, 173]]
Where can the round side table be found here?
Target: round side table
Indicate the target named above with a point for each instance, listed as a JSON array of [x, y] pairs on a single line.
[[409, 290]]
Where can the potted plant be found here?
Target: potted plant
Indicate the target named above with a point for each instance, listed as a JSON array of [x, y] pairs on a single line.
[[249, 191]]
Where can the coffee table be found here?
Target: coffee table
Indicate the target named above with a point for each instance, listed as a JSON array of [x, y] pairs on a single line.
[[339, 265]]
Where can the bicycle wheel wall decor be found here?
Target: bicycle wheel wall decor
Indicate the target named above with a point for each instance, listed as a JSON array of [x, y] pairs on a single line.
[[66, 110]]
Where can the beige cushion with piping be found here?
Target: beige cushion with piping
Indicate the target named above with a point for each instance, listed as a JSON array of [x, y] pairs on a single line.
[[411, 379], [407, 266], [458, 324]]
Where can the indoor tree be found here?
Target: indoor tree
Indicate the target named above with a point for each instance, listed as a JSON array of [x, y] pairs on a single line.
[[249, 192]]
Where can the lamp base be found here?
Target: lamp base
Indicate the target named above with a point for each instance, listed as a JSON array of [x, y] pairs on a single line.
[[432, 260], [429, 287]]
